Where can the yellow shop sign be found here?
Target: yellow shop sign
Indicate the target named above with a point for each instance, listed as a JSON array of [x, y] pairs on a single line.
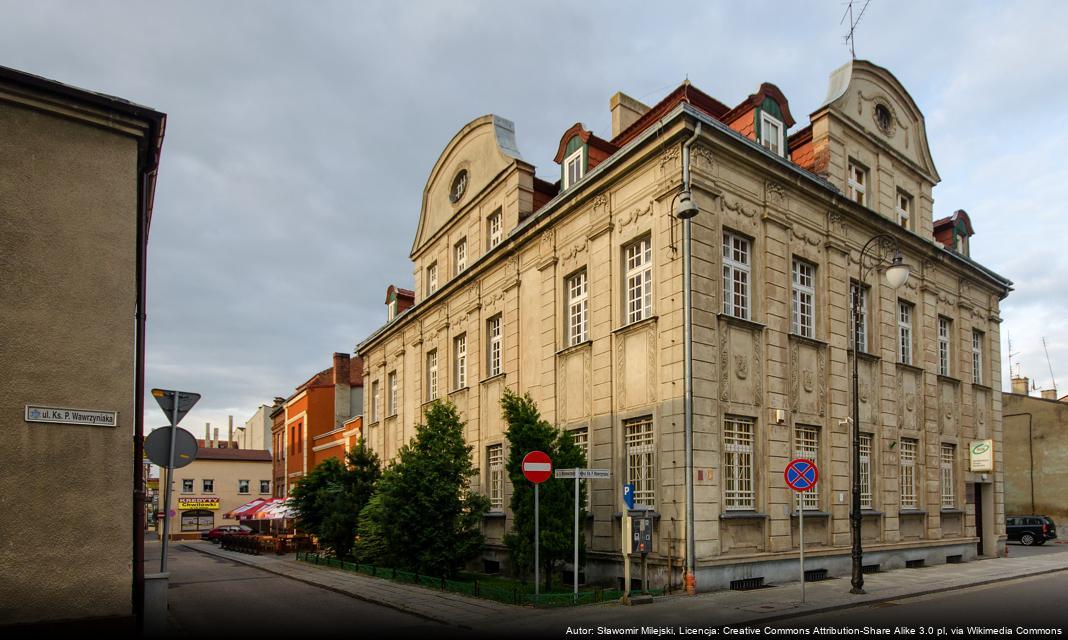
[[197, 503]]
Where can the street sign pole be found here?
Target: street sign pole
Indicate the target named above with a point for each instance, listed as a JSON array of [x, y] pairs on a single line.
[[801, 535], [801, 475], [170, 487], [575, 566], [537, 540]]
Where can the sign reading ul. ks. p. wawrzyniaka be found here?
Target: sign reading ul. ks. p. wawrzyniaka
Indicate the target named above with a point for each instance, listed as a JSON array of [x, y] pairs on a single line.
[[60, 415]]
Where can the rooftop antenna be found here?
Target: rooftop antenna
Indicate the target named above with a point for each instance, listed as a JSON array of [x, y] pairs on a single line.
[[1049, 364], [1011, 354], [850, 37]]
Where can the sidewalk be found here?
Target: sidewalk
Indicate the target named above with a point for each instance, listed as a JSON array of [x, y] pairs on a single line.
[[718, 607]]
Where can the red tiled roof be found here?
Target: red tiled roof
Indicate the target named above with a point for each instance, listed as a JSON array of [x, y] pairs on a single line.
[[243, 455], [766, 90], [686, 92]]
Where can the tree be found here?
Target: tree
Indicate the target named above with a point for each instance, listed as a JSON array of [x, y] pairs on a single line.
[[330, 498], [528, 432], [423, 516]]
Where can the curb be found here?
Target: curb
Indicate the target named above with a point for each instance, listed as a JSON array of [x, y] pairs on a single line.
[[364, 598]]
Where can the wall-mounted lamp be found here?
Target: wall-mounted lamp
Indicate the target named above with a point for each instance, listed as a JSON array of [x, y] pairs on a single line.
[[778, 416], [685, 208]]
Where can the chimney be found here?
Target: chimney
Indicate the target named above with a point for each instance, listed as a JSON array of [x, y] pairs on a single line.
[[625, 112], [207, 435], [279, 401], [341, 368], [230, 435], [215, 440], [1020, 385], [1049, 394]]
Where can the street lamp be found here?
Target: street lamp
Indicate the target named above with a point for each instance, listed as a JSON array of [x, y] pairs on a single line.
[[896, 272]]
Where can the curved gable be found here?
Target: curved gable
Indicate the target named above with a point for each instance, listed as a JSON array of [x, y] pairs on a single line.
[[857, 88], [483, 148]]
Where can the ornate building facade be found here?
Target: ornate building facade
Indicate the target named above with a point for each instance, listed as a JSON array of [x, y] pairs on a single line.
[[573, 293]]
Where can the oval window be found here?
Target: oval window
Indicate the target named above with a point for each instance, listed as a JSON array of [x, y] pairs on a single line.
[[882, 117], [459, 186]]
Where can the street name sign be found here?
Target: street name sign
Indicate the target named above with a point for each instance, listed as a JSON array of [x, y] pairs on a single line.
[[60, 415], [583, 474]]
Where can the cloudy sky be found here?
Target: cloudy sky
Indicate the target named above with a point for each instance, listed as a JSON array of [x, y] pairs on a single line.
[[300, 136]]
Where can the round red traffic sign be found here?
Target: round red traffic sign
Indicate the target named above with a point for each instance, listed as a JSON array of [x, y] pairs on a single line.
[[801, 474], [537, 467]]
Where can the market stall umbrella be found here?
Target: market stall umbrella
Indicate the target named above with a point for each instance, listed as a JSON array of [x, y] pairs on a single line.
[[242, 512]]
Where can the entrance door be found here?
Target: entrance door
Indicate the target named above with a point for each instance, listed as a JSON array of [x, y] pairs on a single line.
[[979, 520]]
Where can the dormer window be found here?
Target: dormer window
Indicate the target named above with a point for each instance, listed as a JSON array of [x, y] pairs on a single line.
[[574, 168], [392, 309], [771, 133]]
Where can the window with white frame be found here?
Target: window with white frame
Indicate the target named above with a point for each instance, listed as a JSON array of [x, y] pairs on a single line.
[[459, 361], [858, 183], [948, 459], [861, 336], [771, 132], [641, 459], [977, 356], [432, 278], [187, 485], [243, 486], [494, 230], [207, 486], [738, 464], [736, 272], [582, 441], [908, 473], [459, 252], [944, 332], [431, 375], [574, 167], [494, 346], [638, 261], [807, 447], [904, 332], [865, 471], [804, 299], [392, 308], [904, 209], [265, 486], [495, 464], [375, 397], [392, 391], [577, 308]]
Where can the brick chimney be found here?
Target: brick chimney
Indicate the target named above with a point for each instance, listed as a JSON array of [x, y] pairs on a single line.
[[1020, 385], [341, 368], [625, 111], [1049, 394]]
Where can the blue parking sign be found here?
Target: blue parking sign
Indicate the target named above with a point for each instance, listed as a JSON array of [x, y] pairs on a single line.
[[628, 495]]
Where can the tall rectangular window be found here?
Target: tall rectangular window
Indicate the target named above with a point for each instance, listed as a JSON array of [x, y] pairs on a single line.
[[375, 397], [494, 230], [807, 447], [573, 168], [944, 333], [392, 404], [858, 183], [904, 209], [494, 347], [577, 308], [804, 299], [432, 278], [265, 486], [736, 271], [638, 261], [459, 252], [862, 324], [738, 464], [908, 473], [207, 486], [582, 441], [431, 375], [904, 332], [495, 463], [865, 471], [949, 457], [459, 361], [977, 356], [243, 486], [187, 485], [641, 459], [771, 133]]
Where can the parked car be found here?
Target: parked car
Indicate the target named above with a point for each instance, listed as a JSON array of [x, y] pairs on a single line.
[[217, 533], [1029, 530]]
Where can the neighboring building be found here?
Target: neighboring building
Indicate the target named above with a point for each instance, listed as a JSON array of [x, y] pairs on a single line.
[[256, 432], [219, 480], [573, 292], [278, 449], [315, 416], [1036, 453], [77, 179]]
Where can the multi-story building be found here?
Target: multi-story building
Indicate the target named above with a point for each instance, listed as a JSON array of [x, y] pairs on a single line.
[[573, 293], [316, 421], [1036, 452], [256, 432], [77, 181]]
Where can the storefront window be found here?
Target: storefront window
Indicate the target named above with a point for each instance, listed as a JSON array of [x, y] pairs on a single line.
[[198, 520]]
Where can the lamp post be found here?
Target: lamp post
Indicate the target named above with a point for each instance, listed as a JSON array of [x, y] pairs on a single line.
[[875, 256]]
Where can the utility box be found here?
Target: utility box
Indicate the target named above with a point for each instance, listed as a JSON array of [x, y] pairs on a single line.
[[641, 533]]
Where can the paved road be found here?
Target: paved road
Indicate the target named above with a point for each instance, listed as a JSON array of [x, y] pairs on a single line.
[[1036, 602], [212, 597], [1017, 550]]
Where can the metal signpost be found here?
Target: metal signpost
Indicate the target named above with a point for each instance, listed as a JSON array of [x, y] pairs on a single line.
[[175, 405], [580, 474], [537, 467], [801, 476]]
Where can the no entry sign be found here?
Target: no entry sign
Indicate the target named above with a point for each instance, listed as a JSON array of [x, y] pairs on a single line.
[[537, 467], [801, 474]]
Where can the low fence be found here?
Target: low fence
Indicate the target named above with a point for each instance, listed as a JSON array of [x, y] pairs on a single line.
[[475, 588]]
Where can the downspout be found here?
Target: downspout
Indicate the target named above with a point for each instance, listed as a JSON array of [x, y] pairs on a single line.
[[139, 403], [687, 347], [1030, 451]]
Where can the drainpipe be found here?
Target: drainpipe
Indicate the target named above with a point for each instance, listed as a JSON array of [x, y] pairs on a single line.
[[139, 405], [687, 346]]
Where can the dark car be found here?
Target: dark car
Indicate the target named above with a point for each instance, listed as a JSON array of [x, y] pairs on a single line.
[[1029, 530], [217, 533]]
